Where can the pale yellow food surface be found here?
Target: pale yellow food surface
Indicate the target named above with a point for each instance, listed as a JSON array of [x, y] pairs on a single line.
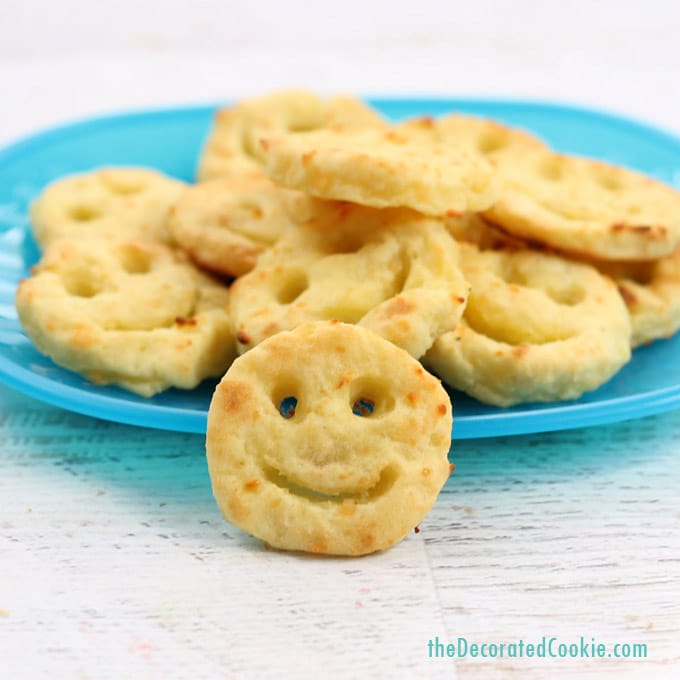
[[473, 228], [233, 145], [131, 313], [393, 271], [473, 133], [106, 203], [226, 223], [326, 480], [536, 328], [585, 207], [651, 291], [323, 210], [382, 168]]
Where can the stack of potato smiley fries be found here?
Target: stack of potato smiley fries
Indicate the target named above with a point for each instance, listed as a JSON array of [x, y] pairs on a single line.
[[512, 272]]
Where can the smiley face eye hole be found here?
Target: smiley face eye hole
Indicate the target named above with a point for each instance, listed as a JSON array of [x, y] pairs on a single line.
[[287, 407], [135, 260], [285, 393], [290, 286], [84, 213], [123, 186], [363, 407], [488, 143], [371, 396], [82, 283]]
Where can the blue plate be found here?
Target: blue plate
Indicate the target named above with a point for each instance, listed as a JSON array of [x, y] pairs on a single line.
[[170, 140]]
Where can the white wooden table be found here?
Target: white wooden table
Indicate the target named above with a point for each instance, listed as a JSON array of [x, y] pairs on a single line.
[[114, 560]]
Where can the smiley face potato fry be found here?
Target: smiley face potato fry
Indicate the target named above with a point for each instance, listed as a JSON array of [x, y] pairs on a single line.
[[225, 224], [328, 439], [393, 271], [130, 313], [536, 328], [106, 203], [233, 144]]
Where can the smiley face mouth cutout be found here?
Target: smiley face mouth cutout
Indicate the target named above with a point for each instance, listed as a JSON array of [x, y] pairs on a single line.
[[386, 480]]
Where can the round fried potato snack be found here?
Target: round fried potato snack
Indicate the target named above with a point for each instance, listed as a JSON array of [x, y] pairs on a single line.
[[389, 167], [328, 439], [473, 133], [132, 313], [226, 223], [651, 291], [585, 207], [393, 271], [233, 149], [108, 203], [536, 328]]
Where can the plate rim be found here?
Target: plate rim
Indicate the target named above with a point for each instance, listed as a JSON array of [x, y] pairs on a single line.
[[126, 412], [40, 135], [121, 410], [72, 398]]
